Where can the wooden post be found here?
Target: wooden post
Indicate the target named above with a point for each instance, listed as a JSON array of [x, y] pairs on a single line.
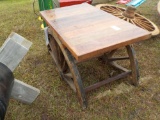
[[11, 53], [24, 92]]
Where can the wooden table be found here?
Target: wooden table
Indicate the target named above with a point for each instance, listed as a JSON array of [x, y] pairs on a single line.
[[81, 32]]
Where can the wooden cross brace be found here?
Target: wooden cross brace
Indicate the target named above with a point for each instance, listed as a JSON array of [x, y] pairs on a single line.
[[11, 53]]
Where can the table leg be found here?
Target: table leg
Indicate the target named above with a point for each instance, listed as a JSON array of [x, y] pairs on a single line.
[[134, 65]]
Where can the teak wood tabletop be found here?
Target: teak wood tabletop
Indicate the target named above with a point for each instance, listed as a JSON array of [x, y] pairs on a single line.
[[88, 32]]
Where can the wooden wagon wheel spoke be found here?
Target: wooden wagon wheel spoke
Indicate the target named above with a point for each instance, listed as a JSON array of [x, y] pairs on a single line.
[[139, 17], [112, 10], [139, 25], [129, 15], [57, 54], [118, 58], [53, 51], [150, 28], [144, 22], [117, 14], [109, 9], [131, 21], [119, 9], [127, 19], [121, 17], [124, 18], [112, 59], [143, 25]]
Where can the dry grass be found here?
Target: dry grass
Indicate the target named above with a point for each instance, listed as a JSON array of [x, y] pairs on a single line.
[[115, 101]]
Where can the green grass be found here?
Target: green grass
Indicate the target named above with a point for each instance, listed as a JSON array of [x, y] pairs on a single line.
[[115, 101]]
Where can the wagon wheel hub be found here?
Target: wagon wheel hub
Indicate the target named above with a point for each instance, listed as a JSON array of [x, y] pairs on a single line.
[[129, 12]]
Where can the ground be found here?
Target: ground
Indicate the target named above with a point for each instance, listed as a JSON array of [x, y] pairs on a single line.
[[116, 101]]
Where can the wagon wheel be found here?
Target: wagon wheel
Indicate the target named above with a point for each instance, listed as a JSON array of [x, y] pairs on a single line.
[[57, 55], [124, 64], [66, 67], [130, 16]]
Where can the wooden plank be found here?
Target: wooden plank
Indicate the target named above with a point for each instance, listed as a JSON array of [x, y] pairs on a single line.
[[11, 53], [65, 12], [101, 83], [13, 50], [87, 31], [24, 92]]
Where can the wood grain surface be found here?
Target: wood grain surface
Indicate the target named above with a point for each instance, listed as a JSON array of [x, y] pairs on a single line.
[[88, 32], [13, 50]]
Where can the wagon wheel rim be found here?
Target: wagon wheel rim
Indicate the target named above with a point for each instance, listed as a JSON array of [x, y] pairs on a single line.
[[69, 73], [124, 63], [60, 62], [138, 19], [57, 55]]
